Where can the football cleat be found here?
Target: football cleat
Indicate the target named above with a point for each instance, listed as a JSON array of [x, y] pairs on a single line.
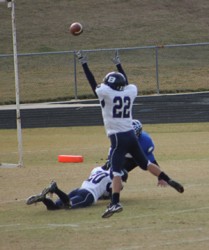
[[176, 186], [50, 189], [111, 209], [35, 198], [40, 197]]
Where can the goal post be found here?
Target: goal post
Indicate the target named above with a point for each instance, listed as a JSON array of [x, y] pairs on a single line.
[[11, 5]]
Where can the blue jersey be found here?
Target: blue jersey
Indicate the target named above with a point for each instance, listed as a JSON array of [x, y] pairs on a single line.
[[147, 145]]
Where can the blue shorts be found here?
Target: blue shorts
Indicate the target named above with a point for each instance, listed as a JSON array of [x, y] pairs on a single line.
[[79, 198], [123, 143]]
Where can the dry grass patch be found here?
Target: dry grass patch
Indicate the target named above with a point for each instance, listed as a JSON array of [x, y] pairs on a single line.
[[153, 217]]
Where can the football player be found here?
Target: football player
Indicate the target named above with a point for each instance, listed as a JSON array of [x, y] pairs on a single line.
[[116, 97], [148, 147], [97, 186]]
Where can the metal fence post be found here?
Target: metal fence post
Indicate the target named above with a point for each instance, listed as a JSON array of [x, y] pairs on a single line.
[[157, 71], [75, 76]]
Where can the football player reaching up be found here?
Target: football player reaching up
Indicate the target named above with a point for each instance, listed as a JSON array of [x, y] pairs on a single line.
[[116, 97]]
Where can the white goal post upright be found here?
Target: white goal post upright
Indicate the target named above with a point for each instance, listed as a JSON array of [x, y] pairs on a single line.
[[11, 5]]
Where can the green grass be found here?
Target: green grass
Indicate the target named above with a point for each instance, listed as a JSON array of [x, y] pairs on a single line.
[[153, 217], [42, 26]]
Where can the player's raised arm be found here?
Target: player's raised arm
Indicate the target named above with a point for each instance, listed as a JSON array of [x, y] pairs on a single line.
[[89, 75], [116, 61]]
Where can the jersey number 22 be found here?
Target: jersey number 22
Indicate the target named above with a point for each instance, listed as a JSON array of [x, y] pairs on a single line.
[[121, 109]]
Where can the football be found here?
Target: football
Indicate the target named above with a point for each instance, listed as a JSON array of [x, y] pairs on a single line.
[[76, 29]]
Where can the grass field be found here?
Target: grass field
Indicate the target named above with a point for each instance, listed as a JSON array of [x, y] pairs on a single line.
[[42, 26], [153, 218]]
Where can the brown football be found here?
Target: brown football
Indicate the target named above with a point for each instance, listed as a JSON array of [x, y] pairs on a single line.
[[76, 29]]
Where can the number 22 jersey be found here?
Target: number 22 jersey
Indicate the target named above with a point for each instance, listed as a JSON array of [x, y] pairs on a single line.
[[116, 107]]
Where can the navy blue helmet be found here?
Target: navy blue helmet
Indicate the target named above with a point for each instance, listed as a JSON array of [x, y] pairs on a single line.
[[115, 80], [137, 127]]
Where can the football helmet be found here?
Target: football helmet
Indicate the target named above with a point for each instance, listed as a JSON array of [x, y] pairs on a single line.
[[137, 127], [115, 80]]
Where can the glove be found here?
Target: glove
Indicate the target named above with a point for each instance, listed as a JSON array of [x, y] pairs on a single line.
[[81, 58], [106, 166], [116, 59]]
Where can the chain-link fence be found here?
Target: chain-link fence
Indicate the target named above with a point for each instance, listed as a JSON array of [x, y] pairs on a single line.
[[53, 76]]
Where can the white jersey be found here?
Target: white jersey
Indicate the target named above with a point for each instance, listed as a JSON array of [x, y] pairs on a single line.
[[116, 107], [98, 182]]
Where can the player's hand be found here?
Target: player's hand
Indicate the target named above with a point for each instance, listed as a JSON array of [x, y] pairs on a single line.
[[162, 183], [116, 59], [81, 57]]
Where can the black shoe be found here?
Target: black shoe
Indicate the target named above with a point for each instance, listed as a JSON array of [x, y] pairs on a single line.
[[50, 189], [111, 209], [35, 198], [176, 185], [40, 197]]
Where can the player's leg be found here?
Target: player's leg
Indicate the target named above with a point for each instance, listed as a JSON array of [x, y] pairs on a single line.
[[50, 205], [63, 201], [142, 161], [40, 197], [129, 164], [116, 160]]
